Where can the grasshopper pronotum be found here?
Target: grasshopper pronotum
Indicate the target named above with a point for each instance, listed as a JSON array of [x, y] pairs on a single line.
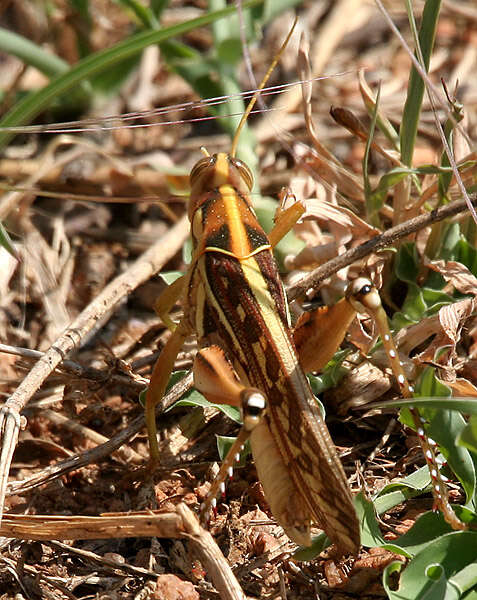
[[249, 355]]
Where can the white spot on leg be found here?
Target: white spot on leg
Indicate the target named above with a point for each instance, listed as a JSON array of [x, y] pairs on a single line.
[[420, 432], [222, 488], [386, 337], [237, 457], [213, 502], [230, 472], [392, 354], [401, 379]]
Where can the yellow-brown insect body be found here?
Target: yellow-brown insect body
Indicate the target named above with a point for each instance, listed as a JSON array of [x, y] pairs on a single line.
[[235, 299]]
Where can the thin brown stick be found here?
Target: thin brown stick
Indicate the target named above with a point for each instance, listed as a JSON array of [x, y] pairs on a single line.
[[145, 267], [388, 238]]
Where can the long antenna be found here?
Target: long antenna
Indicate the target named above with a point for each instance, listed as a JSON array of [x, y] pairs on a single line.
[[252, 102]]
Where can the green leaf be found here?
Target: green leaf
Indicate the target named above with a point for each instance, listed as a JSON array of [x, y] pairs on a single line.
[[170, 276], [318, 544], [430, 574], [174, 378], [370, 533], [445, 427], [421, 301], [468, 436], [195, 398], [466, 254], [465, 580], [466, 405], [6, 242], [399, 490], [225, 443], [427, 528], [387, 181], [373, 202], [407, 263], [331, 375]]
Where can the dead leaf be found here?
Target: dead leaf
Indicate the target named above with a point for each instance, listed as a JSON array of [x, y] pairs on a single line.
[[463, 387], [457, 274], [451, 319]]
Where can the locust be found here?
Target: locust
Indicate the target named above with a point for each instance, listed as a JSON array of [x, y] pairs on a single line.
[[251, 357]]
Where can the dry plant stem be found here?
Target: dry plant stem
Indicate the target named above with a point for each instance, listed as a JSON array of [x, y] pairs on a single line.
[[77, 370], [181, 524], [388, 238], [145, 267], [99, 453]]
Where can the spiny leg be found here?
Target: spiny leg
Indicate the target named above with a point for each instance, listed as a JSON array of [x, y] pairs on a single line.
[[365, 298], [215, 377], [158, 382]]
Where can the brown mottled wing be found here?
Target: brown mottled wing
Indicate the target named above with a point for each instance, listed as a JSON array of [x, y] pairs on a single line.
[[316, 470]]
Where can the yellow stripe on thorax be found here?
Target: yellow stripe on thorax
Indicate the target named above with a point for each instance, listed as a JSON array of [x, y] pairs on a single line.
[[275, 326], [239, 242]]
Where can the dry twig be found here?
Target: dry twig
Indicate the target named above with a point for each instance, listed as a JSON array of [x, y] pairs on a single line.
[[182, 524]]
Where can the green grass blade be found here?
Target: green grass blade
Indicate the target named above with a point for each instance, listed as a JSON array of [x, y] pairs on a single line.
[[415, 93], [32, 54]]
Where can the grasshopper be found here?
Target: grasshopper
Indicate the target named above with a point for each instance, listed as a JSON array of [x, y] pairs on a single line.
[[235, 302], [250, 357]]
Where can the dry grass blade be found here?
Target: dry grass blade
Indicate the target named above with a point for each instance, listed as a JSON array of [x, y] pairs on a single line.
[[144, 268]]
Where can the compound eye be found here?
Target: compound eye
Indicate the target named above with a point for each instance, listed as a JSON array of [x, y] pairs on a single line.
[[201, 167], [244, 171], [365, 290]]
